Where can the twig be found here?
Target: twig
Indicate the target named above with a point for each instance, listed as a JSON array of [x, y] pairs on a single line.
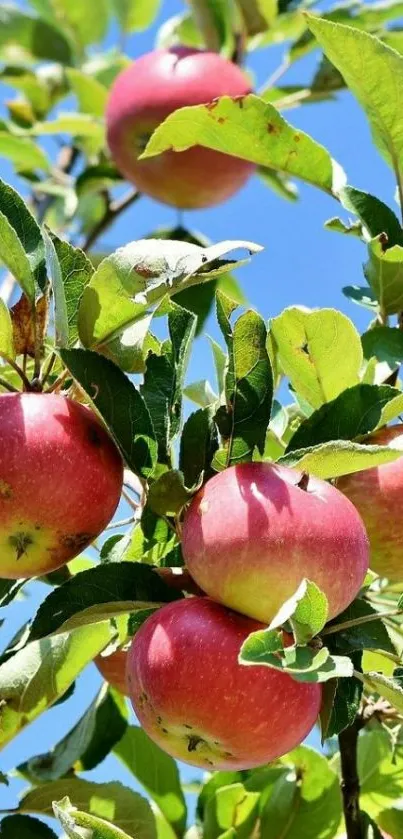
[[350, 784], [17, 369], [58, 383], [113, 210], [7, 386], [46, 371], [340, 627], [132, 503], [278, 73], [122, 523]]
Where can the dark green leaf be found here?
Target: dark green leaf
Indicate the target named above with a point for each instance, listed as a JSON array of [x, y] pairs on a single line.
[[376, 216], [367, 636], [29, 39], [120, 404], [345, 697], [24, 827], [243, 421], [385, 343], [86, 745], [356, 412], [8, 590], [199, 443], [22, 248], [156, 772], [362, 295], [76, 271], [98, 594], [384, 273]]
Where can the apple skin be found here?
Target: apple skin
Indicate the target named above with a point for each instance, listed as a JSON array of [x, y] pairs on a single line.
[[199, 704], [113, 669], [251, 534], [143, 95], [377, 494], [60, 482]]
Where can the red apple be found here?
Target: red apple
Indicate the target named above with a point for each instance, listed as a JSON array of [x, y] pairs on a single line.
[[199, 704], [377, 494], [148, 91], [254, 531], [113, 669], [60, 482]]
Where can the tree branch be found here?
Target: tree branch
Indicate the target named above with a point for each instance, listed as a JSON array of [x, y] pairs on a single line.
[[113, 210], [350, 784]]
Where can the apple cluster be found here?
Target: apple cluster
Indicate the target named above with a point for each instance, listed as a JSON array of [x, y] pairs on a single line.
[[249, 537]]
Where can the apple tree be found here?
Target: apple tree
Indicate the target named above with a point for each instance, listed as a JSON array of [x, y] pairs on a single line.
[[229, 551]]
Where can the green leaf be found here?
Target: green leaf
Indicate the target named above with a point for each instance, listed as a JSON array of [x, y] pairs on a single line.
[[306, 610], [231, 806], [8, 590], [356, 412], [86, 745], [214, 20], [28, 39], [135, 15], [384, 273], [376, 216], [279, 183], [97, 178], [150, 541], [386, 686], [380, 774], [340, 702], [258, 15], [98, 594], [338, 457], [75, 273], [22, 248], [304, 664], [6, 332], [163, 384], [35, 87], [367, 636], [120, 404], [60, 307], [362, 296], [86, 23], [319, 351], [377, 90], [199, 443], [41, 672], [25, 155], [201, 393], [337, 225], [76, 125], [243, 421], [168, 494], [385, 343], [117, 804], [250, 129], [307, 795], [138, 276], [156, 772], [92, 96], [24, 827], [78, 825]]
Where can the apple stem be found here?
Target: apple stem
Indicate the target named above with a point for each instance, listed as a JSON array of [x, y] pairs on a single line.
[[340, 627], [350, 784]]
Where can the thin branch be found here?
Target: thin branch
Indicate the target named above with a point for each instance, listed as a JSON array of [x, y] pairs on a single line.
[[276, 75], [350, 784], [340, 627], [59, 382], [113, 210], [4, 383], [46, 371], [122, 523], [17, 369]]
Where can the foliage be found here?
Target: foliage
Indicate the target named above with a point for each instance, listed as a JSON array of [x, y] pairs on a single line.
[[86, 324]]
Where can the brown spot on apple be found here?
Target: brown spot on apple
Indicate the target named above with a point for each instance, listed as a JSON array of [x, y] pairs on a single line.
[[5, 489]]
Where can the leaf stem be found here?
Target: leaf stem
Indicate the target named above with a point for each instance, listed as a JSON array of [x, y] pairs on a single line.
[[113, 210], [59, 381], [17, 369], [4, 383], [340, 627], [350, 784], [46, 371]]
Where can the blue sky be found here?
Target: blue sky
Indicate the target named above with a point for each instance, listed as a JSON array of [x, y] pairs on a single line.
[[302, 263]]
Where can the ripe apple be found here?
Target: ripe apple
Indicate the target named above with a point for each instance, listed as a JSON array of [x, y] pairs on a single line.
[[60, 482], [254, 531], [113, 669], [199, 704], [377, 494], [143, 95]]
